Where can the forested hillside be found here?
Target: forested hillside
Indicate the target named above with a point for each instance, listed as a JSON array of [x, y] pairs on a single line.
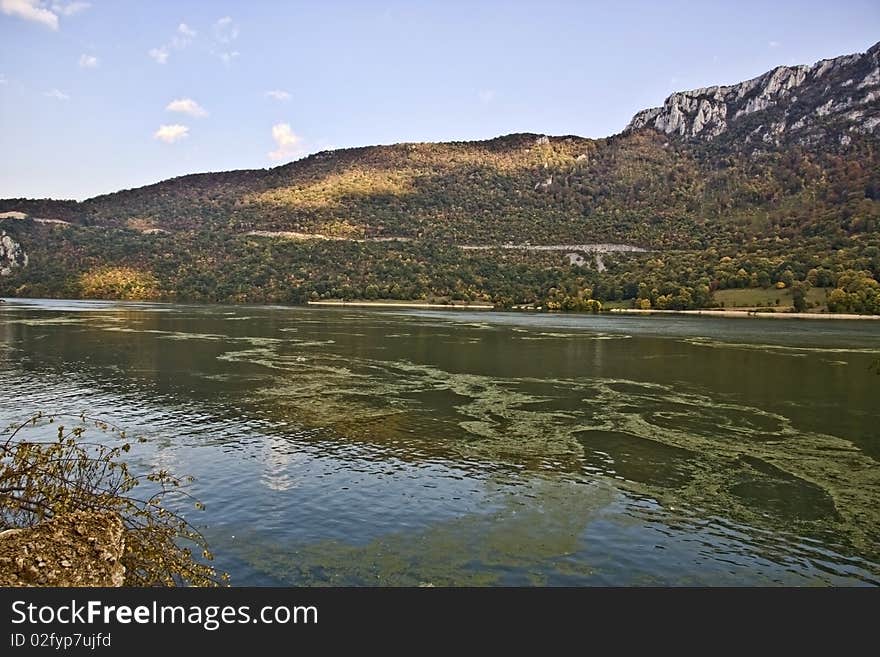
[[772, 184]]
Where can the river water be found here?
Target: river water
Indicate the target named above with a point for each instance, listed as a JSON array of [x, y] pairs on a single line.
[[405, 447]]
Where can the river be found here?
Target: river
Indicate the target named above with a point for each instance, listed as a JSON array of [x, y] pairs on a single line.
[[334, 446]]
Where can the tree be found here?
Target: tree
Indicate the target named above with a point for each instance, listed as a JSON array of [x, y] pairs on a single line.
[[48, 477], [799, 296], [838, 301]]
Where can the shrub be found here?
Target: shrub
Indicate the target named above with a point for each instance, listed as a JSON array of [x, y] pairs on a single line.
[[44, 478]]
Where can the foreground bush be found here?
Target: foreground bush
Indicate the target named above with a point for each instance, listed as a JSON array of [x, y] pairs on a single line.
[[44, 478]]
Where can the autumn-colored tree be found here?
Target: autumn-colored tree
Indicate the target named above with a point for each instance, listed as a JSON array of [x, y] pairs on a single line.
[[50, 467]]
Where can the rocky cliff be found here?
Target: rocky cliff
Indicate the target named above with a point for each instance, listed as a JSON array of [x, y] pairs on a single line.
[[11, 254], [830, 99]]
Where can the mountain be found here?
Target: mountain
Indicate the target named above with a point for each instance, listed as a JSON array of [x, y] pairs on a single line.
[[772, 185], [811, 104]]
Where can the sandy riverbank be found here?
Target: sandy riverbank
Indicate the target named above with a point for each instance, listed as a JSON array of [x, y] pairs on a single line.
[[743, 314], [738, 314], [402, 304]]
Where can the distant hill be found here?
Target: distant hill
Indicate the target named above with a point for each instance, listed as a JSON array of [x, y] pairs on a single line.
[[774, 180]]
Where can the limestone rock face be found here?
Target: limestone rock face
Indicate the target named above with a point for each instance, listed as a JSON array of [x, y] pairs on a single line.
[[808, 102], [82, 548], [11, 254]]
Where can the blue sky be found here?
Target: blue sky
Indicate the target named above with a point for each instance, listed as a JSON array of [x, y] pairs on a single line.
[[105, 95]]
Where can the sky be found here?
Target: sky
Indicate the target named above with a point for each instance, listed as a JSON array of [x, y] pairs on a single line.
[[104, 95]]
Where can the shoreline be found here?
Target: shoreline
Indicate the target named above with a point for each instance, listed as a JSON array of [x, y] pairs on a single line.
[[744, 314], [402, 304], [736, 314]]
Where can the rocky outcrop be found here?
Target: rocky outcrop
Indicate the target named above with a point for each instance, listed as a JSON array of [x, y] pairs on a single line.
[[833, 96], [12, 255], [83, 548]]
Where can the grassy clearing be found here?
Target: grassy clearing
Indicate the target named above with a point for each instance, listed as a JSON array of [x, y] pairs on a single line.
[[769, 298], [750, 298], [625, 303]]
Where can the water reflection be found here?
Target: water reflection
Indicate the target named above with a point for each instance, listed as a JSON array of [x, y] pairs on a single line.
[[364, 447]]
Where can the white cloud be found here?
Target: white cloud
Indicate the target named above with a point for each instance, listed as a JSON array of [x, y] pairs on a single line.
[[183, 36], [41, 11], [774, 44], [185, 30], [486, 96], [88, 61], [30, 10], [187, 106], [225, 30], [278, 94], [159, 54], [70, 8], [171, 133], [3, 79], [288, 144], [56, 94]]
